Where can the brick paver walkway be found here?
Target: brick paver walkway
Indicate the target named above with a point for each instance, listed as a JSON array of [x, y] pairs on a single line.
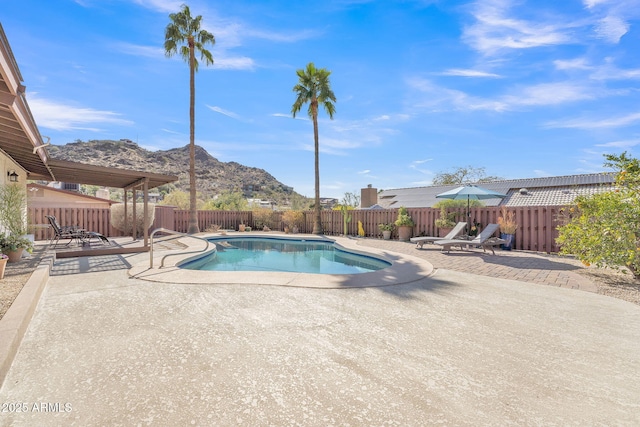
[[524, 266]]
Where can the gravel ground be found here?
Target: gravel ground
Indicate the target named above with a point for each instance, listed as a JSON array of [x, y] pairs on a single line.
[[610, 282], [16, 275]]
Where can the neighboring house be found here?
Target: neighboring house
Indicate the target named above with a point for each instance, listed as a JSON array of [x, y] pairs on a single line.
[[550, 191], [259, 203], [42, 196]]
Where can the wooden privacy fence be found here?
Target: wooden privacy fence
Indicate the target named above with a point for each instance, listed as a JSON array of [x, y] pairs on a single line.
[[536, 224], [92, 219]]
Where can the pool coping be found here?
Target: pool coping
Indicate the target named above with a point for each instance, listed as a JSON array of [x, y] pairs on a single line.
[[403, 269]]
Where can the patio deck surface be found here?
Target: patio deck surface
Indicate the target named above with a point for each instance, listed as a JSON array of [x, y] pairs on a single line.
[[454, 348]]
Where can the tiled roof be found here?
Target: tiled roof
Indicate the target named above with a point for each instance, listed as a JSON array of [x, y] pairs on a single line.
[[557, 190]]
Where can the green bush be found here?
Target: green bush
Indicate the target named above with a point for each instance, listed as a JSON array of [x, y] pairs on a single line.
[[604, 229]]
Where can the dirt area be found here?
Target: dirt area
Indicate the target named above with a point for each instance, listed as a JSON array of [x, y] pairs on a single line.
[[614, 284], [16, 275]]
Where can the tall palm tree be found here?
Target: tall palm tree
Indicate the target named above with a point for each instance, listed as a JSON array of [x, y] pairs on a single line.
[[185, 29], [314, 88]]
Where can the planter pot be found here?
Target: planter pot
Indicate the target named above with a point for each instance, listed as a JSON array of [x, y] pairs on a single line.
[[386, 234], [3, 264], [14, 256], [404, 233], [295, 230], [442, 232], [241, 227], [510, 241]]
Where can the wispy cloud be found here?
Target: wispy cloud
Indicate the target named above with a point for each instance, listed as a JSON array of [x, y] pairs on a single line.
[[468, 73], [572, 64], [364, 172], [164, 6], [621, 144], [63, 117], [224, 112], [611, 28], [496, 29], [289, 116], [139, 50], [550, 94], [439, 98], [586, 123]]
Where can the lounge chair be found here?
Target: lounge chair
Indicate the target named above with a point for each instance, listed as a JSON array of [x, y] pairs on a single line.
[[73, 233], [485, 240], [455, 232]]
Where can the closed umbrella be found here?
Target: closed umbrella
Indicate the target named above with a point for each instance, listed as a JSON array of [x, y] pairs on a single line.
[[468, 192]]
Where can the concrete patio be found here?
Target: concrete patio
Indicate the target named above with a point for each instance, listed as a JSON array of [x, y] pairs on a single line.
[[452, 348]]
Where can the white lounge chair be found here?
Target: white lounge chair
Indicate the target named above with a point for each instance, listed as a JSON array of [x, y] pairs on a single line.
[[485, 240], [455, 232]]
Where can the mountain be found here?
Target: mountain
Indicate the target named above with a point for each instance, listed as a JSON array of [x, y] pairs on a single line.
[[212, 176]]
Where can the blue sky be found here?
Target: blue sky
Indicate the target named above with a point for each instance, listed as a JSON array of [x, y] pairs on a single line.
[[521, 88]]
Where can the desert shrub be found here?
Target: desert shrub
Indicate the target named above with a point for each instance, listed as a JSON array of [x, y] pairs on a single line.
[[292, 218], [118, 222], [263, 217]]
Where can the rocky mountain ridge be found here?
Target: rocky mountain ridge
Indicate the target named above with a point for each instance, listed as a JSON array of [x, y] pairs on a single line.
[[212, 176]]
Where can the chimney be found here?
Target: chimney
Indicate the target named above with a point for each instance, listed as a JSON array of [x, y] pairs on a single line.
[[368, 197]]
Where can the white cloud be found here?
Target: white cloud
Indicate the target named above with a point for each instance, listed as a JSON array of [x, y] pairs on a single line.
[[63, 117], [611, 28], [572, 64], [140, 50], [621, 144], [170, 131], [468, 73], [550, 94], [164, 6], [496, 30], [364, 172], [223, 112], [613, 122], [438, 98], [224, 62], [289, 116]]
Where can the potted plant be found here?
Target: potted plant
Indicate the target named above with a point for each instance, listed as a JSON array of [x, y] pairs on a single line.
[[13, 212], [445, 222], [508, 227], [13, 245], [3, 264], [405, 224], [386, 230]]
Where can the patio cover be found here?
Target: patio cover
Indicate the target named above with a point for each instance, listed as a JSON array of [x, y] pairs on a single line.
[[20, 139]]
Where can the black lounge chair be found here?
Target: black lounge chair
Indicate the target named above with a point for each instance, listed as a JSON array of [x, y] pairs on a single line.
[[73, 233]]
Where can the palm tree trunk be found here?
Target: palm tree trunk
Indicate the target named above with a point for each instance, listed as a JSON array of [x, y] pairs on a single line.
[[317, 223], [193, 212]]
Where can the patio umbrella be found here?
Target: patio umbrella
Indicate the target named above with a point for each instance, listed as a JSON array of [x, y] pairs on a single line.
[[468, 192]]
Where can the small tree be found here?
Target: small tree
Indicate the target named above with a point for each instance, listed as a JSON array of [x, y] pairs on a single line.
[[13, 209], [463, 175], [349, 202], [604, 229]]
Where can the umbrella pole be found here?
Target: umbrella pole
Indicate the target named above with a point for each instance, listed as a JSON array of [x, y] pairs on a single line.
[[468, 217]]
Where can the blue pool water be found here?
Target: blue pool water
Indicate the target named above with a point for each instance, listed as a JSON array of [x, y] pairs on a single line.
[[288, 255]]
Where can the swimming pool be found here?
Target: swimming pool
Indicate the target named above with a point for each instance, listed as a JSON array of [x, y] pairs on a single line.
[[284, 255]]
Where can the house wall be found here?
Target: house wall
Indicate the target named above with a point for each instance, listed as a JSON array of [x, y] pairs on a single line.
[[6, 166], [41, 197]]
